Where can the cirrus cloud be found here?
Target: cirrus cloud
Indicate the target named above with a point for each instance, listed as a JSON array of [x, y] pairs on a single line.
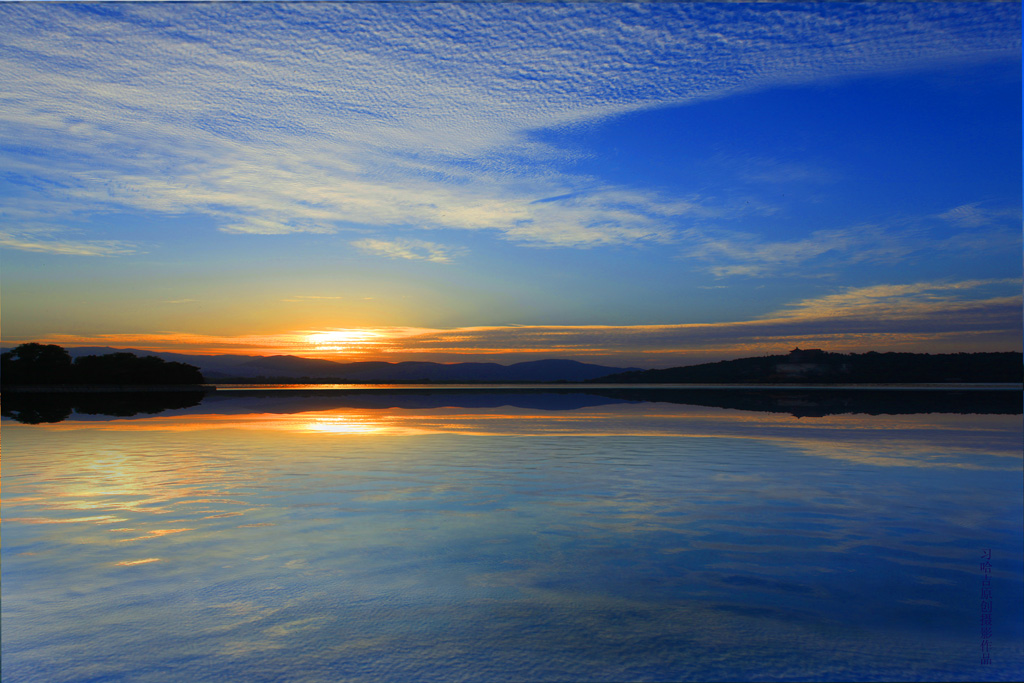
[[410, 249], [28, 241], [276, 118]]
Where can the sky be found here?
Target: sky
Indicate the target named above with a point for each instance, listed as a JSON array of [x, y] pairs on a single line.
[[641, 184]]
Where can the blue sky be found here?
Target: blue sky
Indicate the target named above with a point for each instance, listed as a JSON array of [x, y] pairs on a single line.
[[645, 184]]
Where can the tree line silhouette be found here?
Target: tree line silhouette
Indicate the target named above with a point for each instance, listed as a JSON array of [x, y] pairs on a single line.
[[49, 364], [816, 366]]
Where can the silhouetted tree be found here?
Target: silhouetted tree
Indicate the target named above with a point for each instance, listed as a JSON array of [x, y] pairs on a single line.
[[821, 366], [127, 368], [36, 408], [38, 364], [34, 363]]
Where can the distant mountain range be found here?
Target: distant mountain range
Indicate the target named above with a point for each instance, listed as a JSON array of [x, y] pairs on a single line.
[[221, 368], [797, 367]]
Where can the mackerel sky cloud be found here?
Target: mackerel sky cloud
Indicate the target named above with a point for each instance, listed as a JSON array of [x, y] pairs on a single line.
[[499, 164]]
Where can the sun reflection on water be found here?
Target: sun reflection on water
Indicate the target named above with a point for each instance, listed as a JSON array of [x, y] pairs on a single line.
[[322, 522], [341, 424]]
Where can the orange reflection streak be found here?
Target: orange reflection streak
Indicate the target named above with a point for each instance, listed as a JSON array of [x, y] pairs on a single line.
[[203, 479], [132, 563], [155, 533], [602, 420], [99, 519], [904, 440], [122, 485], [326, 422], [340, 424]]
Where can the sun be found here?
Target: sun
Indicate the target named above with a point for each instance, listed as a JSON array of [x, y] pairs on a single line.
[[342, 340]]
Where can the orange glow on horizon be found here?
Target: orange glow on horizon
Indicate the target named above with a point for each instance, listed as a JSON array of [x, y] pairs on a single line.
[[344, 341], [662, 345], [908, 317], [897, 440]]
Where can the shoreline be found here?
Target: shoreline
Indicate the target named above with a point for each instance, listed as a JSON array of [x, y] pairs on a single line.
[[566, 386], [503, 386]]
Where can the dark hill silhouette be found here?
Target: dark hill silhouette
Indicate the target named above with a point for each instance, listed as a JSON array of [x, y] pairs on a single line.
[[216, 363], [816, 366], [235, 368], [291, 367], [35, 364]]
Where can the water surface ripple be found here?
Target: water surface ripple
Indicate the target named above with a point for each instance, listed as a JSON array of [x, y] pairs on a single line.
[[621, 541]]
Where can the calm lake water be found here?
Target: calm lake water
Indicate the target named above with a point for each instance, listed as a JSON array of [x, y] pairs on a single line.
[[484, 536]]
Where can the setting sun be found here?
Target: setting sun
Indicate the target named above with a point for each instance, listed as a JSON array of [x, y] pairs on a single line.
[[342, 340]]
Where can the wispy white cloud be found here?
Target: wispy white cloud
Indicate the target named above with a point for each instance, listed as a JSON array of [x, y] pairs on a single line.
[[310, 297], [824, 252], [309, 117], [901, 302], [411, 249], [976, 215], [49, 245], [734, 253], [920, 316]]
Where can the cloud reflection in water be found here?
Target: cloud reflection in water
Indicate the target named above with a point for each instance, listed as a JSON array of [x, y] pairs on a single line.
[[627, 541]]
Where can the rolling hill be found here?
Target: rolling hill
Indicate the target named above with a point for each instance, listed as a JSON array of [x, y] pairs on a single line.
[[219, 368], [814, 366]]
